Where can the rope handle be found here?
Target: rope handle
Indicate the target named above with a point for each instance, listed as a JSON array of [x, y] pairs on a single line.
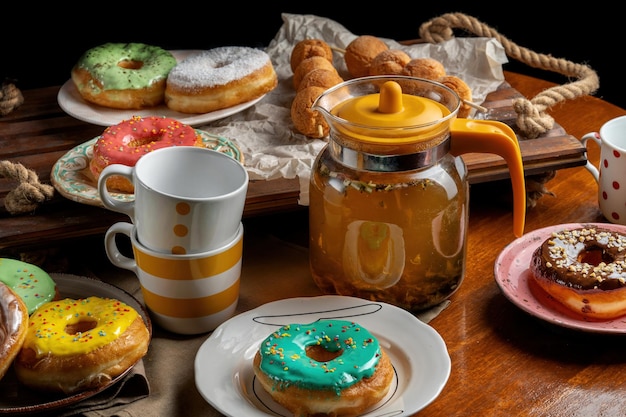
[[29, 193], [533, 119]]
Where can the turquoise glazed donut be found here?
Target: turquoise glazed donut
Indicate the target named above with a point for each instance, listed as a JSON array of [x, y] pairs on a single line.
[[333, 367]]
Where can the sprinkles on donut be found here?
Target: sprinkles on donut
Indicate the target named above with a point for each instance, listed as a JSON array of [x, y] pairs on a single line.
[[329, 367], [127, 141], [34, 285], [73, 345], [123, 75]]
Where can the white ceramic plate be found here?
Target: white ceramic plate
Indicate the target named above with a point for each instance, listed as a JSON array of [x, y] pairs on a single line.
[[72, 103], [223, 365], [15, 399], [513, 276], [71, 177]]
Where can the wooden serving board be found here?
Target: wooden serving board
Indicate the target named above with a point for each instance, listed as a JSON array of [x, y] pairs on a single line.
[[554, 150]]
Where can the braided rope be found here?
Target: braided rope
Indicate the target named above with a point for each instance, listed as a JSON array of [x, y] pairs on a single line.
[[533, 119], [29, 193], [10, 98]]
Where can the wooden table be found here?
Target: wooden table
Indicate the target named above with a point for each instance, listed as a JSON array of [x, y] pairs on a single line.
[[504, 361]]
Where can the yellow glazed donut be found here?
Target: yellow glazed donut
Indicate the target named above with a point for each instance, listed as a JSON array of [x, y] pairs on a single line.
[[75, 345], [123, 75], [329, 367]]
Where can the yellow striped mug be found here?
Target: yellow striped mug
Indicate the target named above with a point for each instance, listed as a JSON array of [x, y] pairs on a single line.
[[185, 294]]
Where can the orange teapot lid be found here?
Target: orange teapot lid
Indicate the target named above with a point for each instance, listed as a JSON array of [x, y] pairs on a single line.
[[392, 115], [391, 108]]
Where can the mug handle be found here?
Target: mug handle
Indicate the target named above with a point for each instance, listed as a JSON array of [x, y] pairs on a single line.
[[125, 207], [594, 136], [113, 252]]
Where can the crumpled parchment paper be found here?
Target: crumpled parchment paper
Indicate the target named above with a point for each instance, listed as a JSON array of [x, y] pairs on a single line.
[[265, 134]]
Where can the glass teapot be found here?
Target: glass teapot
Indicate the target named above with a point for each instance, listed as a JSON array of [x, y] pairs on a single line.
[[388, 207]]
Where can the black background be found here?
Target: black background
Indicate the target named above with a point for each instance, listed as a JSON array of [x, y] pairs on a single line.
[[47, 40]]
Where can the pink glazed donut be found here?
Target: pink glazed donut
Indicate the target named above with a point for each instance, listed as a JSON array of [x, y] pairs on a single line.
[[127, 141]]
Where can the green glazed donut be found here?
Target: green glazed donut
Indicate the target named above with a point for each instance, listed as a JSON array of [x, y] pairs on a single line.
[[123, 75], [31, 283]]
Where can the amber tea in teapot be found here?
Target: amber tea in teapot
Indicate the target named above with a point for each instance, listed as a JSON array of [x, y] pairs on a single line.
[[388, 195]]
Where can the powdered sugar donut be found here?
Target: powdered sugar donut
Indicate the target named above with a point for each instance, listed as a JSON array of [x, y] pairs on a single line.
[[219, 78]]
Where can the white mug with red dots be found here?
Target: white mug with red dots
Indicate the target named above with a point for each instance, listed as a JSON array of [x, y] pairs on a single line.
[[187, 199], [611, 173]]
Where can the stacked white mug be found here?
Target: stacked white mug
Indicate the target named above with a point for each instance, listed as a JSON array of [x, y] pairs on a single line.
[[186, 234]]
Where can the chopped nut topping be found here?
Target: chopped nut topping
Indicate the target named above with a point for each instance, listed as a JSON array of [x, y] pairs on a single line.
[[566, 246]]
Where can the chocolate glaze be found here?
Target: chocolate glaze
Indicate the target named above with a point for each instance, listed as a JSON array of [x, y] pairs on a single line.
[[582, 259]]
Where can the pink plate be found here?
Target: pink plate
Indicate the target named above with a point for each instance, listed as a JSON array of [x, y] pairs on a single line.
[[513, 277]]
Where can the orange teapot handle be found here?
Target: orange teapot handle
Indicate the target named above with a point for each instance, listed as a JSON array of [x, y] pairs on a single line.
[[490, 136]]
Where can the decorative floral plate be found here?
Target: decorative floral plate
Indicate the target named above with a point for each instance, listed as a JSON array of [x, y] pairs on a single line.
[[72, 179]]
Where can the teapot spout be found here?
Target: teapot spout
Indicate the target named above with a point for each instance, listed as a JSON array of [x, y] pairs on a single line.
[[489, 136]]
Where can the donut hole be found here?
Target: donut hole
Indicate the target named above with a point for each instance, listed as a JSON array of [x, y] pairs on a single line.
[[321, 354], [130, 64], [222, 64], [80, 327], [143, 141], [594, 255]]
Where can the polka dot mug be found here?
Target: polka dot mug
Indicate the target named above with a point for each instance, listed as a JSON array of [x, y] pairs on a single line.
[[187, 199], [611, 173]]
